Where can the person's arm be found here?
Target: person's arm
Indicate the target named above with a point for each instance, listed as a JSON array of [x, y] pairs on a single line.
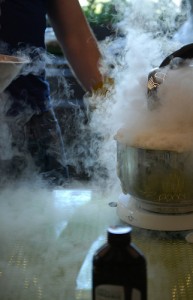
[[76, 40]]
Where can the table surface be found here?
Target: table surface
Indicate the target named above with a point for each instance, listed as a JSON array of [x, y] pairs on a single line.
[[48, 239]]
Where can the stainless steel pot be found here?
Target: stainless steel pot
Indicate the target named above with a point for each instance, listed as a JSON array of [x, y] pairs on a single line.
[[160, 181]]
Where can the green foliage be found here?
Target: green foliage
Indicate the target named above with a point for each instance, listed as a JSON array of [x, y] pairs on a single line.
[[100, 12]]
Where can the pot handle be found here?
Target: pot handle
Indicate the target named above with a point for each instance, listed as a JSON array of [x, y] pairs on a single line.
[[186, 52], [156, 77]]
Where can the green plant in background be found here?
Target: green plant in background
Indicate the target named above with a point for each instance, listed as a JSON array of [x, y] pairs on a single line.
[[101, 12]]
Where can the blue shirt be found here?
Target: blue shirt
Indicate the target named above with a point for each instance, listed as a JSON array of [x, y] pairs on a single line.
[[22, 27]]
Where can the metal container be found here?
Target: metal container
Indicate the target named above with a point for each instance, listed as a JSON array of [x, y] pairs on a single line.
[[160, 181]]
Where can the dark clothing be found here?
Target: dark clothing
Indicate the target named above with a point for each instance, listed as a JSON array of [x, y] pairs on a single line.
[[22, 30], [29, 92], [23, 21]]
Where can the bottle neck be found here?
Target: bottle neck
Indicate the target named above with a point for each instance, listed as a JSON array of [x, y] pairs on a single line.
[[119, 236]]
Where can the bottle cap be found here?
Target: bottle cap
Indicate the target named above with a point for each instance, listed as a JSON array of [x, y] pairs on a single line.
[[119, 234]]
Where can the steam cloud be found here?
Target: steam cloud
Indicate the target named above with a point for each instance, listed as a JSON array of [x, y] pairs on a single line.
[[146, 30]]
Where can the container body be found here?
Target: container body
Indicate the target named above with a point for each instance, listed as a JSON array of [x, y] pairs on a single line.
[[119, 273], [160, 181]]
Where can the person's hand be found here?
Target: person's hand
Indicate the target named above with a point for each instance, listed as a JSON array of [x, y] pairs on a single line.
[[103, 87], [99, 93]]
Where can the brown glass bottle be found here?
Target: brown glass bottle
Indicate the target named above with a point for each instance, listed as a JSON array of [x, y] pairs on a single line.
[[119, 268]]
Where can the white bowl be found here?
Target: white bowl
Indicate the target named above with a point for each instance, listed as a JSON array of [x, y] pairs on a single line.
[[10, 67]]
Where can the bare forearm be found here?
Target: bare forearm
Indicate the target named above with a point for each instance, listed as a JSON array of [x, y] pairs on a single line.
[[84, 58], [76, 40]]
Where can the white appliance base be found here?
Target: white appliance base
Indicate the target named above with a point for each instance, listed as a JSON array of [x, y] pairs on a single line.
[[129, 212]]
